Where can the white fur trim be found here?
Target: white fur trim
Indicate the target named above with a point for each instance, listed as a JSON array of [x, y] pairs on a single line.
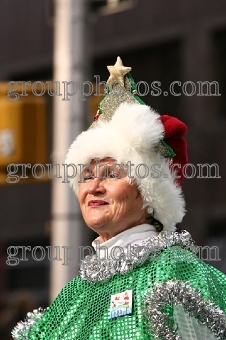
[[132, 135]]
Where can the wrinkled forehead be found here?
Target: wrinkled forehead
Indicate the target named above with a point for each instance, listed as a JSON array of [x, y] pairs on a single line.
[[99, 165], [102, 161]]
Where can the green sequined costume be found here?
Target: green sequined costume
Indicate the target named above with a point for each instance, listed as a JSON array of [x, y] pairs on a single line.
[[175, 296]]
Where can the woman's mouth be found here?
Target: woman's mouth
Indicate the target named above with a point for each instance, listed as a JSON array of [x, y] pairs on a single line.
[[97, 203]]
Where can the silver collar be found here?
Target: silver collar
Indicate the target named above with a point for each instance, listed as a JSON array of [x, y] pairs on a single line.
[[94, 269]]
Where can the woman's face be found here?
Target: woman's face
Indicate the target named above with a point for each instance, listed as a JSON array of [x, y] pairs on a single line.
[[110, 205]]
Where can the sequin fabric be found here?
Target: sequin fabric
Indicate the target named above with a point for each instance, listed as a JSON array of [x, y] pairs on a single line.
[[169, 275]]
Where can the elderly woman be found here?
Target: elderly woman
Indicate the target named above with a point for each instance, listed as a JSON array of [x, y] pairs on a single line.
[[145, 281]]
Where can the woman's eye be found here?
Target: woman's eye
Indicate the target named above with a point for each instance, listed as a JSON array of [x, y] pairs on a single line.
[[88, 178], [114, 175]]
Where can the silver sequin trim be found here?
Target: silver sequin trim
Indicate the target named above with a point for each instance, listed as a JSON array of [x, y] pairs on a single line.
[[160, 148], [119, 94], [94, 269], [181, 293], [21, 331]]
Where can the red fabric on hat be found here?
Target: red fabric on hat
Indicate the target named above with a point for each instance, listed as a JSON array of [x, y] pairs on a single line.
[[175, 130]]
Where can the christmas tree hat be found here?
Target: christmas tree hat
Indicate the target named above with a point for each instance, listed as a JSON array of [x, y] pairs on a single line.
[[127, 130]]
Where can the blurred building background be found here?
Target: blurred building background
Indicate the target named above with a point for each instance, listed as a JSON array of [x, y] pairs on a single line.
[[163, 41]]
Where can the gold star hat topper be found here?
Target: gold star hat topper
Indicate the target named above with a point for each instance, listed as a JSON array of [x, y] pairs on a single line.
[[117, 72], [121, 88]]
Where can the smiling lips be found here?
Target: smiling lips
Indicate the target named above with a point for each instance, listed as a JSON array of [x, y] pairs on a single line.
[[96, 203]]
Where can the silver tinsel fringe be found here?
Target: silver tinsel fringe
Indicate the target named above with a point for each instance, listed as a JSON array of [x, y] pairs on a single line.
[[21, 330], [181, 293], [94, 269]]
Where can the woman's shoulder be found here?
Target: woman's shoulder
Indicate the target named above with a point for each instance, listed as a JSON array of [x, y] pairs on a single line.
[[39, 317], [194, 289], [22, 329]]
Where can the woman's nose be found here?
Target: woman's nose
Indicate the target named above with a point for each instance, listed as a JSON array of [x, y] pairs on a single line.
[[96, 186]]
